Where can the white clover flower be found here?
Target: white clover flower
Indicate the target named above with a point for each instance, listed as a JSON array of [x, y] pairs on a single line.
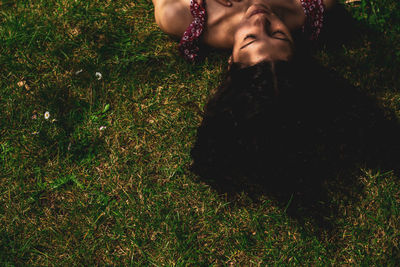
[[102, 128], [47, 115], [98, 75]]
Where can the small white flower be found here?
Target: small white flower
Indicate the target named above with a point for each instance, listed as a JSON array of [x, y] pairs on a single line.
[[102, 128], [98, 75], [47, 115], [79, 71]]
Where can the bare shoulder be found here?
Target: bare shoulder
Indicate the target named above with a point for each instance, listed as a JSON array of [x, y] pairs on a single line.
[[329, 3], [293, 14], [172, 16]]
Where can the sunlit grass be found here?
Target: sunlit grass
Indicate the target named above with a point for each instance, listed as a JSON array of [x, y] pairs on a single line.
[[105, 178]]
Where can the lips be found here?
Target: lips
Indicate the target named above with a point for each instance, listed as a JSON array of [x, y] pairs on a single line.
[[258, 11]]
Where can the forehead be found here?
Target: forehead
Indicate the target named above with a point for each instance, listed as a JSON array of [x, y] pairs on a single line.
[[262, 50]]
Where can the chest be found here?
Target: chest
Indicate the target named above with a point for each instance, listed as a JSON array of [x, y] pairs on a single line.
[[222, 21]]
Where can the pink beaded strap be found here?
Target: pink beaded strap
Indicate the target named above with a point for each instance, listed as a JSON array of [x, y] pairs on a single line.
[[189, 44], [314, 11]]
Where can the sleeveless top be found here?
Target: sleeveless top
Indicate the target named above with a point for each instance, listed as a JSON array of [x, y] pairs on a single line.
[[314, 11], [189, 44]]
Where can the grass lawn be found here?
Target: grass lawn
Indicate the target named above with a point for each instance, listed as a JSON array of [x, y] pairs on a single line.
[[104, 177]]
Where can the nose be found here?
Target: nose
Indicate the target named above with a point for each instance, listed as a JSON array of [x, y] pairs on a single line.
[[262, 21]]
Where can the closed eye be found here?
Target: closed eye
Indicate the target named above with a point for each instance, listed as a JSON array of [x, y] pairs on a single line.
[[249, 36], [252, 36], [280, 35]]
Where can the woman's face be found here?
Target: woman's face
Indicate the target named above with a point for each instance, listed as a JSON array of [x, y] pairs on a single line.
[[261, 36]]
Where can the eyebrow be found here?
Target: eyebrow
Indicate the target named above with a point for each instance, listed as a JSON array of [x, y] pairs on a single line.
[[247, 44]]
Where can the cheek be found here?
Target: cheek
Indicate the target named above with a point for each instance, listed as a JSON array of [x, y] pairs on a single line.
[[283, 52], [235, 55], [287, 49], [239, 35], [237, 41], [242, 30]]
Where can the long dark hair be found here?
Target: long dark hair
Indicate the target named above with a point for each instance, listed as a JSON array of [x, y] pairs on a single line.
[[272, 115], [236, 116]]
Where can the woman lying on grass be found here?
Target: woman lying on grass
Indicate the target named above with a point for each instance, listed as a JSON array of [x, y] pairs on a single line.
[[245, 122], [264, 74], [256, 29]]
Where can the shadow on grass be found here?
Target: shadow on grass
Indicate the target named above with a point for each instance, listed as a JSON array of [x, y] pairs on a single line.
[[365, 52], [305, 150]]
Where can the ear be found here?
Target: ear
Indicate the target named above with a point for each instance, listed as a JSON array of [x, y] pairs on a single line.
[[230, 62]]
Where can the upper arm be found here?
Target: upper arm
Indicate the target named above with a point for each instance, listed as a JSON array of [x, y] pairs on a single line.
[[329, 3], [171, 16]]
